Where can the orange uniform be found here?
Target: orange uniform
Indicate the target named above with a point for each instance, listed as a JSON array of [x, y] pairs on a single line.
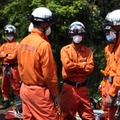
[[76, 66], [116, 81], [109, 73], [11, 49], [37, 70]]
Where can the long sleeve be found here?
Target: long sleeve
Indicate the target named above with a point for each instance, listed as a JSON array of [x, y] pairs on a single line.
[[87, 66], [12, 55], [78, 63], [49, 69], [2, 53], [9, 49], [68, 64], [116, 82]]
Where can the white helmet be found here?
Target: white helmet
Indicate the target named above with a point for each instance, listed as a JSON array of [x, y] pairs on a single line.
[[9, 29], [41, 14], [113, 18], [76, 28], [30, 27]]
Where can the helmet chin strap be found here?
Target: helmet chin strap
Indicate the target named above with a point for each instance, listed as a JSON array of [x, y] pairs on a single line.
[[117, 37]]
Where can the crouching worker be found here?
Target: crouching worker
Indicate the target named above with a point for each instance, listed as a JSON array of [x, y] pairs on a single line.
[[37, 68], [77, 64], [10, 75]]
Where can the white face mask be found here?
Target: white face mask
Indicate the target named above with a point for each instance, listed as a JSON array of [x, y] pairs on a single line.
[[111, 36], [48, 31], [77, 39], [10, 38]]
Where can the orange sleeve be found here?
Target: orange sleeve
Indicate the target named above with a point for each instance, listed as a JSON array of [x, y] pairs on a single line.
[[49, 68], [116, 83], [2, 53], [87, 67], [110, 61], [76, 63], [12, 55], [106, 70], [68, 64]]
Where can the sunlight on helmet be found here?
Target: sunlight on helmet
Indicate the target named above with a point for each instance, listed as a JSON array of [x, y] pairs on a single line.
[[76, 28], [114, 17], [42, 14], [9, 29]]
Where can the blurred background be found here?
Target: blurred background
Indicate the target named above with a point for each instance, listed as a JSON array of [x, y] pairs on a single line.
[[90, 12]]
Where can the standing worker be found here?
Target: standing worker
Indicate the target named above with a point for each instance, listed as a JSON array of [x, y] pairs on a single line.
[[111, 50], [10, 75], [37, 68], [114, 20], [77, 64]]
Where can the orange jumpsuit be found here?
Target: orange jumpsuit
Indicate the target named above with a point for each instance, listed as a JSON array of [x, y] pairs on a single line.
[[14, 81], [109, 72], [76, 66], [116, 81], [37, 70]]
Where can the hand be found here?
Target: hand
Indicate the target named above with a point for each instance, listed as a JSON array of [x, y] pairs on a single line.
[[57, 100], [108, 101]]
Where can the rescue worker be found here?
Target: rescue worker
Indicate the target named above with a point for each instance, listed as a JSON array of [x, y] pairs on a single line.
[[111, 50], [113, 19], [77, 64], [8, 57], [37, 68]]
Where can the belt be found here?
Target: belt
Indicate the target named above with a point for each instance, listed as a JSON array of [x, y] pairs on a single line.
[[76, 84], [11, 65]]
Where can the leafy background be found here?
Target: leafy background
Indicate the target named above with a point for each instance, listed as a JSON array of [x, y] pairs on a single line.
[[90, 12]]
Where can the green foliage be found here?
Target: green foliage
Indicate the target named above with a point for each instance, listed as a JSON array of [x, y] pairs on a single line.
[[90, 12]]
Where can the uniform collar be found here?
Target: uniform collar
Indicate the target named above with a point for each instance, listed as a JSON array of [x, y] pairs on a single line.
[[35, 30], [77, 47], [14, 40]]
